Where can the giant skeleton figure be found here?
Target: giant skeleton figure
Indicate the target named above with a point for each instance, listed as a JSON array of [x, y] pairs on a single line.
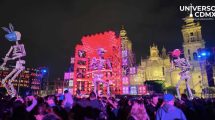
[[16, 52], [98, 68], [184, 65]]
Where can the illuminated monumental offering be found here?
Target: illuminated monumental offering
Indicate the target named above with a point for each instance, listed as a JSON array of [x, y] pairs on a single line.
[[98, 64], [16, 52], [185, 67]]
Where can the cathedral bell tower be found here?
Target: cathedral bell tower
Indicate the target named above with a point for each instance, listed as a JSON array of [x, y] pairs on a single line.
[[192, 37], [163, 54], [154, 53], [126, 43]]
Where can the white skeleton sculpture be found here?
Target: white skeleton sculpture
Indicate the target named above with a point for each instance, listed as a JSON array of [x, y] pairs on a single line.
[[184, 65], [97, 66], [16, 52]]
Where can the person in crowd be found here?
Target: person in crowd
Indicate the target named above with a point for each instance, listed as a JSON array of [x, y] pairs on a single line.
[[168, 111], [94, 102], [53, 108], [51, 116], [152, 106], [19, 111], [68, 101], [124, 108], [33, 107], [186, 106], [138, 111], [40, 111], [112, 108]]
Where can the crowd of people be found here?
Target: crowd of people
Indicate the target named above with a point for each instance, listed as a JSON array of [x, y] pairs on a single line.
[[68, 107]]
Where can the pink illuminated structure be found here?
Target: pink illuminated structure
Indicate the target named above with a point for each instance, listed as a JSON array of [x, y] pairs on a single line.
[[94, 71]]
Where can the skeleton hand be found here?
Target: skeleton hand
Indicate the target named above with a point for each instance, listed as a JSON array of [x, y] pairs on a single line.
[[2, 66], [6, 59], [4, 63]]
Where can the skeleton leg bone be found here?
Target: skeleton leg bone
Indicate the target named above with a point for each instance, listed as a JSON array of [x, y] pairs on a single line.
[[7, 87], [95, 86], [177, 89], [108, 89], [11, 85], [188, 88], [8, 76]]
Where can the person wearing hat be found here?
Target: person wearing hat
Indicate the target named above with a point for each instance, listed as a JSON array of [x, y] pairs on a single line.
[[168, 111]]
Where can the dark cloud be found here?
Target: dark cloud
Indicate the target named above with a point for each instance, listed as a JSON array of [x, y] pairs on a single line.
[[52, 28]]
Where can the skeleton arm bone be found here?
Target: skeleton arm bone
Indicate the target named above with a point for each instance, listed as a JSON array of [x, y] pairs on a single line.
[[172, 66], [109, 64], [92, 64], [6, 58], [8, 53], [188, 63]]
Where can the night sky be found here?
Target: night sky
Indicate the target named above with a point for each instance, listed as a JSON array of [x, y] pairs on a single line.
[[51, 28]]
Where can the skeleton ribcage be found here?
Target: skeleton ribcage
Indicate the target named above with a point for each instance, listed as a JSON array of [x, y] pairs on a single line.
[[17, 50]]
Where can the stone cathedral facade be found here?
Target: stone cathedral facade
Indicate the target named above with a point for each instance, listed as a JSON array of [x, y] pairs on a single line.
[[157, 65]]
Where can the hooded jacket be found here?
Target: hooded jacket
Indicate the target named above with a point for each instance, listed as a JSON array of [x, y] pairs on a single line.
[[169, 112]]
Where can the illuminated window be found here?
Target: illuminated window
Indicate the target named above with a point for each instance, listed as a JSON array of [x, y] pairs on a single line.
[[132, 70], [124, 62], [163, 70], [70, 83], [124, 53], [66, 75], [81, 62], [142, 90], [82, 85], [125, 80], [125, 90], [81, 54], [133, 90]]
